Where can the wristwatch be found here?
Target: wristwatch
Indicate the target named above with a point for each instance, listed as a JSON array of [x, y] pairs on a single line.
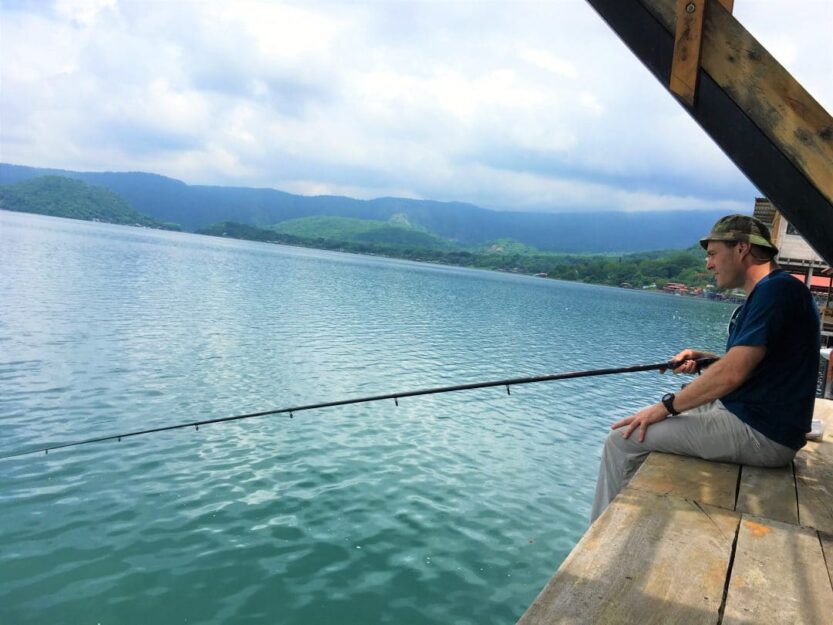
[[668, 402]]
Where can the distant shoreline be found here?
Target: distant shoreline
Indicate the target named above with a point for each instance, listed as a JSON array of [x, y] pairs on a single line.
[[509, 265]]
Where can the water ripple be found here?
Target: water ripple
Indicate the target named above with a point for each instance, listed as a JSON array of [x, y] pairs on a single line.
[[453, 508]]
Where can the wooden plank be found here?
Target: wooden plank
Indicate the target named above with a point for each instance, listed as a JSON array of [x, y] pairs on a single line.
[[827, 549], [649, 558], [814, 474], [764, 90], [814, 483], [728, 4], [778, 576], [685, 64], [824, 410], [710, 483], [768, 493]]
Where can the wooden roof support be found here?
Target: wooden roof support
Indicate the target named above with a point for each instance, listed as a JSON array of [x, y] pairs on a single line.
[[687, 45], [767, 123]]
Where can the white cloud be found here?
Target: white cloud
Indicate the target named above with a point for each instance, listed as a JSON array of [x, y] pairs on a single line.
[[548, 61], [83, 12], [525, 105], [281, 31]]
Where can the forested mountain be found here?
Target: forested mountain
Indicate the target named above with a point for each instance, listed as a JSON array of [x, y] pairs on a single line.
[[195, 206], [397, 237], [655, 268], [64, 197], [353, 230]]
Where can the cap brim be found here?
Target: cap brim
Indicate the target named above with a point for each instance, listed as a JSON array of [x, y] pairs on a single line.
[[717, 236], [733, 236]]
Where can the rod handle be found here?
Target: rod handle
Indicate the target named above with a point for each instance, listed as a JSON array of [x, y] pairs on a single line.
[[701, 362]]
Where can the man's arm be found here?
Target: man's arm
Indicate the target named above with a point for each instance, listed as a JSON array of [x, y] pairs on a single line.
[[721, 378]]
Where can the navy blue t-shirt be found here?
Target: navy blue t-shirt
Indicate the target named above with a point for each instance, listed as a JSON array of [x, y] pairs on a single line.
[[778, 398]]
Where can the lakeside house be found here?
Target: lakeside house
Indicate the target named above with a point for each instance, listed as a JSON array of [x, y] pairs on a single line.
[[677, 288], [801, 260]]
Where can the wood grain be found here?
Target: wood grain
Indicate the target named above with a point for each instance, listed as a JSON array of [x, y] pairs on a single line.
[[778, 576], [710, 483], [685, 64], [776, 103], [649, 558], [768, 493]]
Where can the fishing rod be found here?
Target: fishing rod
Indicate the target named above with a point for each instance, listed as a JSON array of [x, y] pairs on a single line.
[[662, 366]]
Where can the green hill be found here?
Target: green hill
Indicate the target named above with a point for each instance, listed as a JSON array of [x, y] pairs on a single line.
[[234, 230], [507, 247], [65, 197], [395, 232], [567, 231], [642, 269]]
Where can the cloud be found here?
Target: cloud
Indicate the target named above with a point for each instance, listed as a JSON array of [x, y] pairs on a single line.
[[510, 105], [548, 61], [83, 12]]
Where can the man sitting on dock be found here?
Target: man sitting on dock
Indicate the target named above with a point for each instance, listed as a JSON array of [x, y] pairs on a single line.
[[755, 404]]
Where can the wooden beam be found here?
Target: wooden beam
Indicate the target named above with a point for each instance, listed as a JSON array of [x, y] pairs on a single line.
[[728, 4], [773, 130], [764, 90], [687, 45]]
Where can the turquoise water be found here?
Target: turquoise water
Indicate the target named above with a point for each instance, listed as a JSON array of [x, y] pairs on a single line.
[[454, 508]]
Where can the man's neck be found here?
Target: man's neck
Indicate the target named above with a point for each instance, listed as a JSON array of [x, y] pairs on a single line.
[[756, 273]]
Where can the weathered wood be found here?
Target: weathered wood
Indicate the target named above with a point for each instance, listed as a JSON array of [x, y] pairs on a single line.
[[764, 90], [711, 483], [649, 558], [827, 549], [647, 27], [659, 554], [728, 4], [814, 483], [814, 474], [688, 37], [768, 493], [824, 410], [778, 576]]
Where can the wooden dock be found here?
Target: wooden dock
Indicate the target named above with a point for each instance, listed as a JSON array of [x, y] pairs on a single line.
[[691, 541]]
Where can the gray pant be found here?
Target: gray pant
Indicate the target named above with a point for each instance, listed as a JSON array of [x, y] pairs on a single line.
[[710, 432]]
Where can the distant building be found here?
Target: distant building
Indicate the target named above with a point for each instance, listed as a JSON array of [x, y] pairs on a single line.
[[794, 253], [675, 287], [796, 256]]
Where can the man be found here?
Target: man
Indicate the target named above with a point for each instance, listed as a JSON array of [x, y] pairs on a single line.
[[755, 404]]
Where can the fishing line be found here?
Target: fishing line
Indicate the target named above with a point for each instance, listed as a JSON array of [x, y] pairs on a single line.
[[701, 362]]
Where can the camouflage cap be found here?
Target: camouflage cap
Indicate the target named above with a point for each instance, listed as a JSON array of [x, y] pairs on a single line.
[[739, 228]]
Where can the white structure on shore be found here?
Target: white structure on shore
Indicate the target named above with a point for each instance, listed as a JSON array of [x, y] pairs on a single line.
[[796, 256]]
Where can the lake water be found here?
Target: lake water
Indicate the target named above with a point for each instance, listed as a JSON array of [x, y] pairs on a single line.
[[453, 508]]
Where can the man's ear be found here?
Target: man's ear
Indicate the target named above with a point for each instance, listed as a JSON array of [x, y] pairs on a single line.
[[743, 248]]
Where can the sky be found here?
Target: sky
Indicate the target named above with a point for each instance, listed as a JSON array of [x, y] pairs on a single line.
[[533, 106]]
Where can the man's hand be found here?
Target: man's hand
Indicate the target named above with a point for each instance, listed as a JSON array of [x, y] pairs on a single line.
[[641, 420], [687, 357]]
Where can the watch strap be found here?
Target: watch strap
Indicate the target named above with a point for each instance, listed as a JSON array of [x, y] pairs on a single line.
[[668, 402]]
